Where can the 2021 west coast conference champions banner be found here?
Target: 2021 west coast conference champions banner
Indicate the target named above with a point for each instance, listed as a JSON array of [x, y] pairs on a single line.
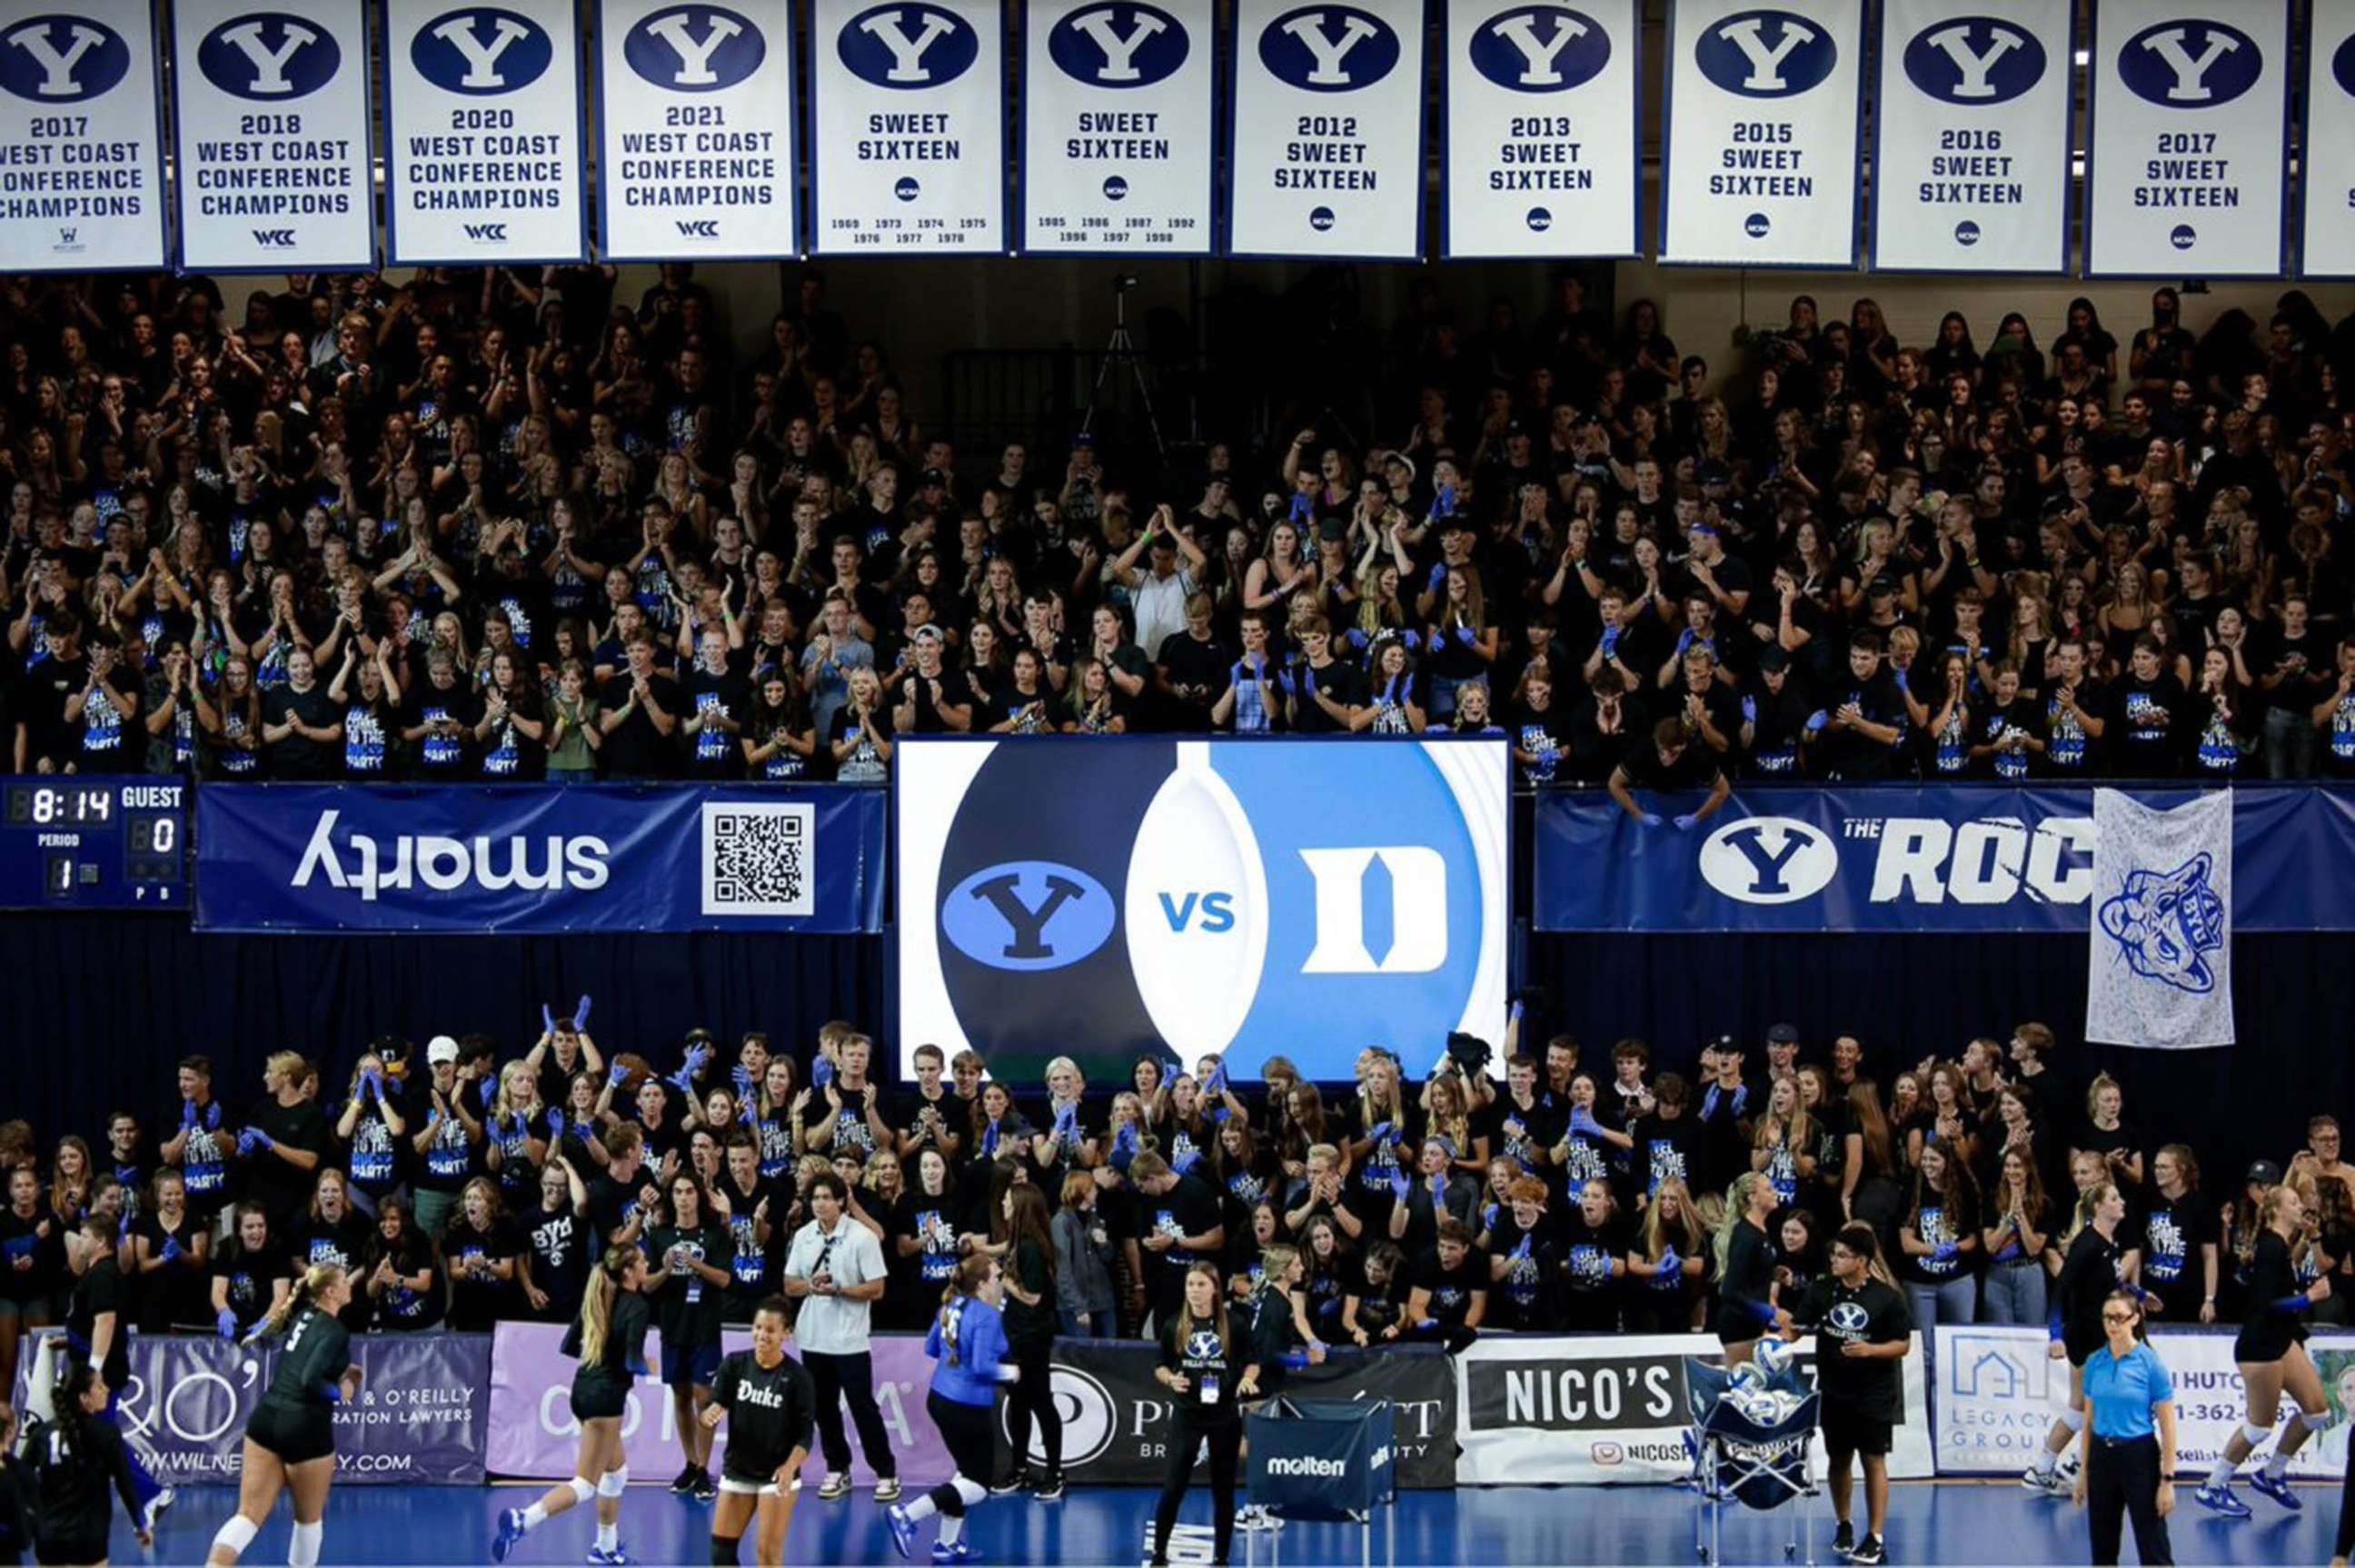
[[1760, 148], [910, 110], [1543, 155], [2327, 172], [81, 162], [2188, 105], [1117, 118], [1971, 143], [482, 118]]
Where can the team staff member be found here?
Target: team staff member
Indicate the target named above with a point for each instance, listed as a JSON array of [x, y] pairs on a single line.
[[1206, 1362], [768, 1400], [1857, 1307], [2271, 1352], [289, 1443], [70, 1462], [2093, 1268], [835, 1269], [967, 1345], [2127, 1468], [98, 1333], [608, 1339]]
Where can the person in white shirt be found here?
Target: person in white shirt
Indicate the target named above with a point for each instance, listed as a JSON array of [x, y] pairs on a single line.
[[1158, 590], [835, 1269]]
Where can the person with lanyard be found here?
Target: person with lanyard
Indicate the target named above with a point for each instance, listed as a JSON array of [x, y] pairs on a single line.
[[2127, 1448], [835, 1269], [769, 1402], [2271, 1353], [608, 1339], [1205, 1362], [98, 1334], [1745, 1269], [289, 1443], [691, 1246], [967, 1346], [69, 1461], [1030, 1280], [1857, 1306], [2093, 1268]]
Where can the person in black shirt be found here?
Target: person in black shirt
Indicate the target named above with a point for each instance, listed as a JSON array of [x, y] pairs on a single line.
[[2150, 715], [640, 720], [770, 1403], [300, 724], [1323, 695], [250, 1272], [1177, 1220], [1028, 1240], [282, 1143], [1745, 1269], [1670, 763], [608, 1338], [1862, 1333], [1524, 1259], [98, 1333], [70, 1462], [1450, 1296], [2271, 1354], [1861, 737], [1206, 1363], [438, 717], [290, 1443], [484, 1258], [2180, 1261]]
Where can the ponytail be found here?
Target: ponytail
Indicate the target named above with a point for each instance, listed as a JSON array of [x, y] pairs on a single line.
[[597, 1301], [1737, 1212], [316, 1278], [963, 1285]]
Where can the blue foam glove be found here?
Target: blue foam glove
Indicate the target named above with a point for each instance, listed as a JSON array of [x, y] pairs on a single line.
[[555, 1126], [684, 1079], [1750, 710], [1426, 1325], [1447, 500], [741, 1076], [1611, 636], [171, 1252], [1217, 1083], [1124, 1147], [547, 1018], [1489, 1216], [1380, 1133], [1187, 1161], [1513, 1014], [1671, 1269], [187, 1113], [253, 1141], [581, 1013], [1302, 508], [1400, 1185], [1581, 1120], [1437, 1182], [373, 1081], [1685, 823], [331, 1391], [1438, 575], [1651, 819], [615, 1074], [1463, 634], [1708, 1102], [989, 1141], [1522, 1250], [1817, 720], [1684, 641], [1946, 1253], [1066, 1123], [227, 1323], [821, 1071]]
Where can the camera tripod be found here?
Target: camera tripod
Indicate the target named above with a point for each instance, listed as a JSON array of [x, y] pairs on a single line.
[[1120, 349]]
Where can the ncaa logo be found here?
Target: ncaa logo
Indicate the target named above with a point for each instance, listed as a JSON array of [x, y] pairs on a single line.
[[1974, 60], [1328, 48], [1125, 45], [269, 55], [1541, 48], [1091, 1419], [62, 60], [908, 45], [1028, 914], [2183, 236], [2190, 64], [1768, 861], [1756, 225], [482, 50], [1966, 233], [694, 49], [1115, 190], [1320, 219], [1766, 54], [2342, 66], [906, 188], [1539, 220]]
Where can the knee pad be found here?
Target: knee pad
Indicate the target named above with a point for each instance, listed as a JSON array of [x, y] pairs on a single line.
[[970, 1491], [582, 1487], [2256, 1434], [613, 1482], [723, 1550], [2314, 1420], [303, 1550], [236, 1534], [2074, 1420]]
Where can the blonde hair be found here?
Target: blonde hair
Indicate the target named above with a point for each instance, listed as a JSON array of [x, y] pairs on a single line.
[[288, 1065], [316, 1278], [597, 1301]]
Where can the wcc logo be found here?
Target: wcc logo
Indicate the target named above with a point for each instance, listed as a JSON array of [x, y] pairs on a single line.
[[1328, 48], [62, 60], [1768, 861], [1126, 45], [1541, 48], [694, 49], [269, 57], [1973, 61], [908, 45], [481, 50], [2190, 64], [2167, 923], [1766, 54]]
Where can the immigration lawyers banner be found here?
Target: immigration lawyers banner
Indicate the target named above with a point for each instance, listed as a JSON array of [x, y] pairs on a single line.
[[1118, 122], [484, 131], [695, 123], [81, 143], [1543, 148], [1324, 130], [270, 116], [2326, 149], [909, 115], [526, 858], [1759, 153], [1971, 136], [2188, 168]]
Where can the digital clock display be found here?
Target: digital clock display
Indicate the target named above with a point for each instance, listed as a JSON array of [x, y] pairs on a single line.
[[93, 843], [60, 805]]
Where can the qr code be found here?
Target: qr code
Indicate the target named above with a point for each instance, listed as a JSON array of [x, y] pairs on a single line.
[[759, 860]]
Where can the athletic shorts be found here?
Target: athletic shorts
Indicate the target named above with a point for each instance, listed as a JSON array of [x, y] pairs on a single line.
[[689, 1364], [737, 1486], [1849, 1431], [70, 1551], [599, 1399], [296, 1438]]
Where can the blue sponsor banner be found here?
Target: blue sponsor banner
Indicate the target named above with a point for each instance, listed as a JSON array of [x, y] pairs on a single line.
[[1901, 858], [526, 858]]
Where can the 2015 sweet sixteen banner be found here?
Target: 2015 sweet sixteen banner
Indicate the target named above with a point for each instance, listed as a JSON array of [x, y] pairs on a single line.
[[923, 126]]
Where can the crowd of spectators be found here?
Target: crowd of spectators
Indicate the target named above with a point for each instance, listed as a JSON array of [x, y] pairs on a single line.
[[498, 525]]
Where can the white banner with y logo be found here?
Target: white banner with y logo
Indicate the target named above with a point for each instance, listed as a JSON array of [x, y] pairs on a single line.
[[1118, 115], [82, 155], [2160, 972], [908, 109], [2327, 173]]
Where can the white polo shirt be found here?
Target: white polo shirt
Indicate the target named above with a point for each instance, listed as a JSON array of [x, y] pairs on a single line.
[[1160, 606], [833, 1325]]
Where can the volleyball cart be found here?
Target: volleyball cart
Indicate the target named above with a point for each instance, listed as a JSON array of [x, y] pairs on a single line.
[[1324, 1459], [1750, 1441]]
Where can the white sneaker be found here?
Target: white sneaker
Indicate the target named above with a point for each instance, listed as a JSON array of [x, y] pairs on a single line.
[[1252, 1516]]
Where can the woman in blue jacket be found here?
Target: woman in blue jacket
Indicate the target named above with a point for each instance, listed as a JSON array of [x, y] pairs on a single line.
[[967, 1345]]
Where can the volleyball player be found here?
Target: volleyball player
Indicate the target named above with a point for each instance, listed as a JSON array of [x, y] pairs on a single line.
[[1206, 1362], [71, 1460], [98, 1333], [2093, 1269], [2271, 1353], [289, 1443], [1745, 1268], [967, 1345], [770, 1403], [608, 1339]]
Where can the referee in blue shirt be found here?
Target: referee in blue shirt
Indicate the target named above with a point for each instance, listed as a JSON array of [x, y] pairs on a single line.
[[2128, 1446]]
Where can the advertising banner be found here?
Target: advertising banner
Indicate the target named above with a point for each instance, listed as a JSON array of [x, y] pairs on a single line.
[[695, 125], [1594, 1409], [2189, 105], [908, 110], [1324, 130], [519, 858], [1544, 128], [2326, 149], [483, 131], [1118, 120], [1116, 897], [1758, 164], [1971, 136], [81, 137]]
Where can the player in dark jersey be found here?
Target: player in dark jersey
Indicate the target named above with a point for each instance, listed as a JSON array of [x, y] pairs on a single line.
[[289, 1443], [770, 1403], [1745, 1269], [71, 1460], [98, 1333], [608, 1339], [2270, 1352], [2092, 1267]]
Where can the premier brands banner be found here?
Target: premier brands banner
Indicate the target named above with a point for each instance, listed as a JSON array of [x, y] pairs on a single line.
[[694, 122], [1971, 136], [1118, 126], [909, 110], [1544, 154], [81, 142], [1121, 896], [1759, 152], [272, 123], [2188, 171], [1324, 130], [483, 121], [526, 858], [2326, 149], [1586, 1410]]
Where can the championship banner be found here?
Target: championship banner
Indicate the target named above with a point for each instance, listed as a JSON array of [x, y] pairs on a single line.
[[1759, 142], [1544, 151], [2158, 972], [695, 125], [1118, 126], [909, 110], [484, 133], [525, 857], [1324, 130], [1110, 898], [2188, 171], [2326, 149], [271, 118], [81, 142], [1970, 170], [1591, 1410]]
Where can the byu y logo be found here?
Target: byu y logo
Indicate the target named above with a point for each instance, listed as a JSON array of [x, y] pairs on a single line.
[[2167, 923], [1768, 861], [1328, 48], [481, 50], [2190, 64], [1541, 48], [908, 45], [269, 55], [1973, 61], [1766, 54], [694, 49], [1028, 915], [62, 60], [1125, 45]]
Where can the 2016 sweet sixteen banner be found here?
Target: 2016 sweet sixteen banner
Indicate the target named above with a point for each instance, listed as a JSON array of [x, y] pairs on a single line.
[[760, 129]]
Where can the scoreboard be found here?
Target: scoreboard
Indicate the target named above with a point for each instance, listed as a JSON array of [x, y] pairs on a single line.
[[93, 843]]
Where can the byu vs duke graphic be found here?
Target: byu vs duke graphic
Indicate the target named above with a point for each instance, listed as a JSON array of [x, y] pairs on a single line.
[[1974, 61], [481, 50], [1766, 54], [1541, 48], [62, 60], [269, 57], [1059, 897]]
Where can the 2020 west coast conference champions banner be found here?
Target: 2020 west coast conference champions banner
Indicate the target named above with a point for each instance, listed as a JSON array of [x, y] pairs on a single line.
[[82, 158], [1117, 118]]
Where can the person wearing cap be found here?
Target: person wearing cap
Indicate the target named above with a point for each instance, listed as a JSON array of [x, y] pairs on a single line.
[[1774, 716], [933, 698], [1782, 1051], [1157, 592], [447, 1141]]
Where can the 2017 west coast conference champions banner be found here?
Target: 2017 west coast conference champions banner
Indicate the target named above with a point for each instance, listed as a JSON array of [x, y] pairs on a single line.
[[81, 160], [910, 110], [1117, 120]]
